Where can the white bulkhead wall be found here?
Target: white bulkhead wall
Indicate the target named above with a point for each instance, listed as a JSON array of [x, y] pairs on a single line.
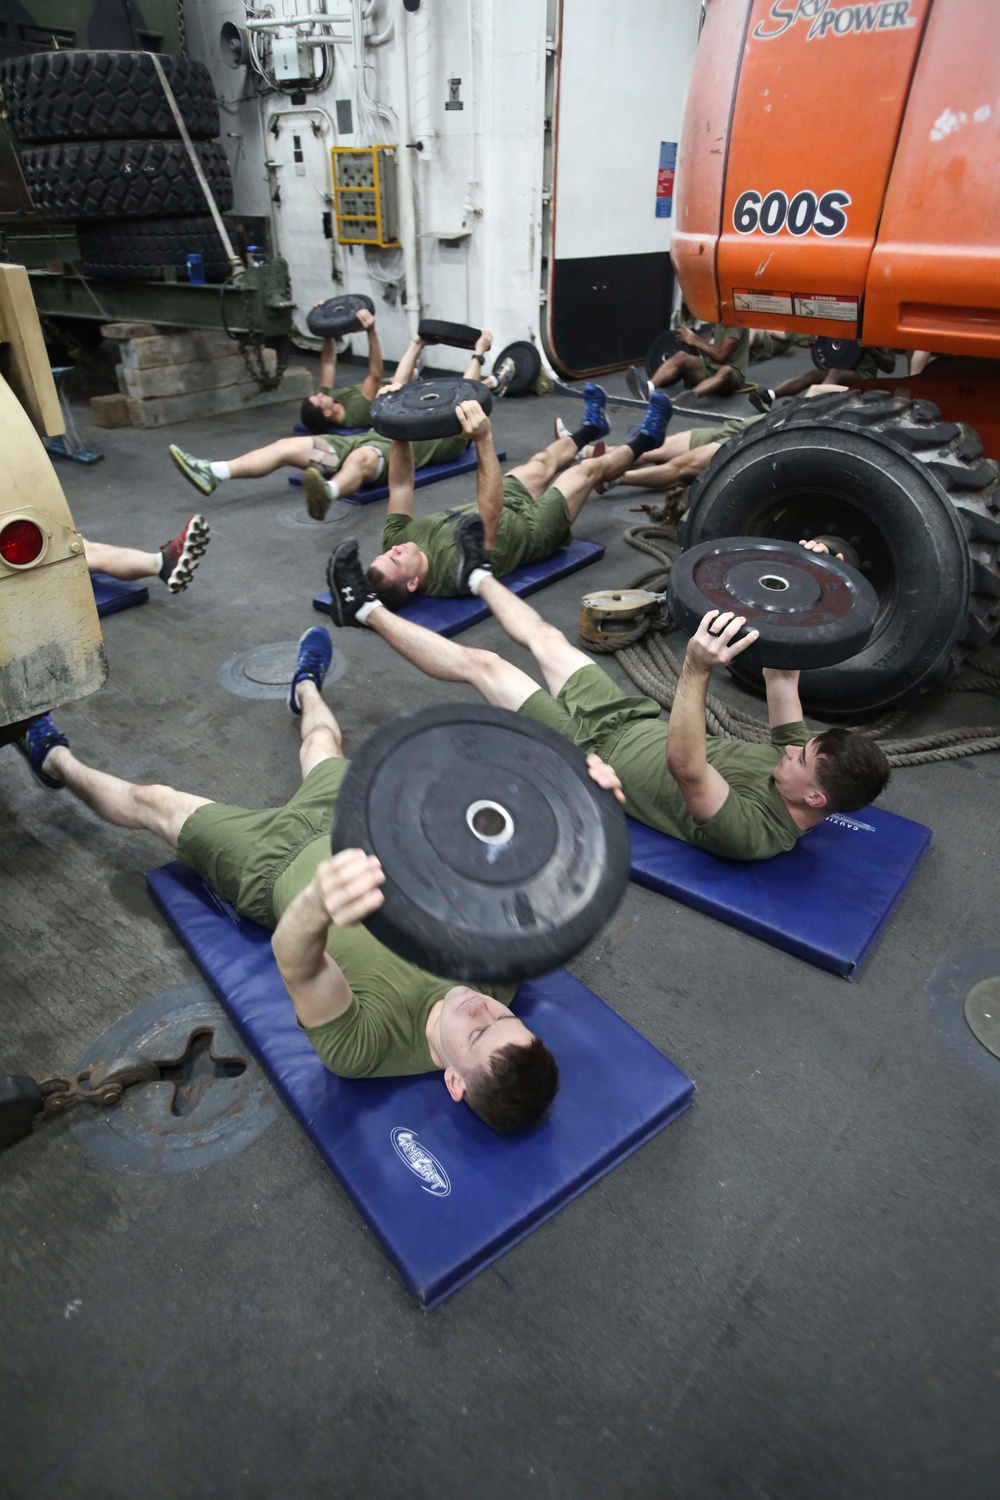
[[477, 181]]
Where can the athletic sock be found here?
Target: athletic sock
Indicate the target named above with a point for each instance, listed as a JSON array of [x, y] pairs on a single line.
[[332, 489], [476, 577], [367, 608], [641, 443], [584, 435], [220, 470], [164, 570]]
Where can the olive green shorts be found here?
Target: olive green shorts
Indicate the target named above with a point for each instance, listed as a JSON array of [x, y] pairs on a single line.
[[545, 519], [433, 451], [241, 853], [702, 436], [591, 710]]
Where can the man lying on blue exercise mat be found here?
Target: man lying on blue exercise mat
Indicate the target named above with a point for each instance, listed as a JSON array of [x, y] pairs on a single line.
[[335, 467], [367, 1012], [526, 514], [741, 800]]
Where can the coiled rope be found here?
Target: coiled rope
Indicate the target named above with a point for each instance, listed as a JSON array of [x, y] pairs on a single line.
[[654, 668]]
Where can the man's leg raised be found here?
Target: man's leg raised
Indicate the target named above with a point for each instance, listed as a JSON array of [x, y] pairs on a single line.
[[156, 809]]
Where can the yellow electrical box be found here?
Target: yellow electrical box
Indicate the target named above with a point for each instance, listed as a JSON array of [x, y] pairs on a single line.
[[365, 198]]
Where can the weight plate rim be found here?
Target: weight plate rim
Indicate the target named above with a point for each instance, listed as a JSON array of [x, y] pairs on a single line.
[[458, 957]]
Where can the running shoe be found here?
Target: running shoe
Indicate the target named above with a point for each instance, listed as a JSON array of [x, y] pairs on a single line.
[[638, 385], [349, 588], [472, 554], [654, 424], [317, 493], [36, 742], [594, 397], [560, 429], [179, 558], [503, 376], [197, 471], [315, 655]]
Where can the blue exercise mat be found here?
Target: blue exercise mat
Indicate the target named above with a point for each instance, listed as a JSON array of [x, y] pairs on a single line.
[[443, 1193], [826, 900], [429, 474], [300, 431], [114, 594], [449, 617]]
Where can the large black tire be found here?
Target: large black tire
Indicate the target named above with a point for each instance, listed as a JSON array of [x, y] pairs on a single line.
[[912, 494], [138, 249], [91, 96], [123, 179]]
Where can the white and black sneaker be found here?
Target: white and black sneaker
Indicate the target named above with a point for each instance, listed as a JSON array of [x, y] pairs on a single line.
[[179, 558], [470, 539], [349, 588]]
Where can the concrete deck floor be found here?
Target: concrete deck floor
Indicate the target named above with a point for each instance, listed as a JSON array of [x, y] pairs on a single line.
[[790, 1293]]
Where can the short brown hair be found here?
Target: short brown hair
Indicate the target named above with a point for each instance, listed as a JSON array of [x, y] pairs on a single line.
[[392, 591], [313, 418], [513, 1094], [851, 769]]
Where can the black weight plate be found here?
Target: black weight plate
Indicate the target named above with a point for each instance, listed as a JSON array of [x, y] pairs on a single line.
[[522, 891], [664, 346], [457, 335], [338, 315], [810, 610], [836, 354], [527, 366], [426, 408]]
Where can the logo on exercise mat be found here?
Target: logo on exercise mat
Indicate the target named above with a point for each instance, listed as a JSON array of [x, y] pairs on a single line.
[[433, 1177], [836, 20], [852, 823]]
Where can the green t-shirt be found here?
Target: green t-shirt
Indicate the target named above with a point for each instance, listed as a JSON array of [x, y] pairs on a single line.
[[753, 822], [382, 1034], [740, 357], [529, 530], [357, 408]]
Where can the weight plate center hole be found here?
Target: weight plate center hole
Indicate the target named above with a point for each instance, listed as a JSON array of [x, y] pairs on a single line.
[[772, 581], [431, 396], [490, 823]]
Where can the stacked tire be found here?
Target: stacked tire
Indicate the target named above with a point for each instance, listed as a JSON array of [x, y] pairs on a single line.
[[99, 144]]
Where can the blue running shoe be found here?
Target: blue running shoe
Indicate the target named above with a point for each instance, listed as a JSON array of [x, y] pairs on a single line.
[[594, 397], [654, 424], [315, 655], [35, 744]]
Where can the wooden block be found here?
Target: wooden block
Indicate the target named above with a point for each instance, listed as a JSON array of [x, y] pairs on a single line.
[[180, 380], [165, 411], [25, 360], [110, 411], [175, 348], [128, 330]]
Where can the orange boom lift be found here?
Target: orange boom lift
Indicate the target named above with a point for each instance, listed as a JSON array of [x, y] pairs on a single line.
[[837, 176]]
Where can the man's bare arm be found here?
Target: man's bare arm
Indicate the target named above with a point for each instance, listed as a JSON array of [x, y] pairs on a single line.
[[372, 381], [344, 890], [407, 367], [489, 480], [704, 790], [783, 705], [401, 478], [328, 365], [484, 343]]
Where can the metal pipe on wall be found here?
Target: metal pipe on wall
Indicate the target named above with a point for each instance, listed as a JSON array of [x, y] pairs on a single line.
[[407, 200]]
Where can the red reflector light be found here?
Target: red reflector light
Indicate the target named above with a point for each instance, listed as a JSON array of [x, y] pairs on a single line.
[[21, 542]]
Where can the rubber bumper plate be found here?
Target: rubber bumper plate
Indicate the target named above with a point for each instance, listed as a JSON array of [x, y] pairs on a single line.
[[810, 609], [502, 856], [426, 408], [338, 315]]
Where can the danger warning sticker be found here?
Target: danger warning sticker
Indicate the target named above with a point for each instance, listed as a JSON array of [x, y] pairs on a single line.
[[779, 303], [665, 179], [825, 305]]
